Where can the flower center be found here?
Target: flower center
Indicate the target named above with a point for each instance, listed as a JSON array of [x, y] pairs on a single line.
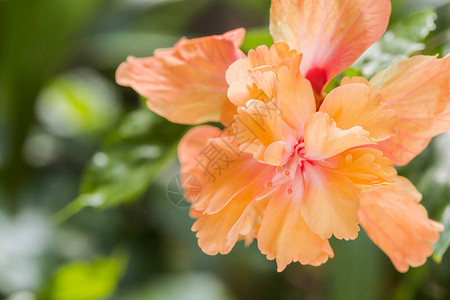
[[291, 170]]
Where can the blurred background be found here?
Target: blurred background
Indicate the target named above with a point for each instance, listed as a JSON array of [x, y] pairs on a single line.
[[85, 168]]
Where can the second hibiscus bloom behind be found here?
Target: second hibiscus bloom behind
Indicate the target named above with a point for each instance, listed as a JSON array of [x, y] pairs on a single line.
[[295, 166]]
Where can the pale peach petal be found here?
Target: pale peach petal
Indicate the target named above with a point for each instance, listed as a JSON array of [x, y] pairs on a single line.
[[231, 214], [284, 235], [201, 152], [274, 57], [185, 84], [228, 112], [193, 143], [243, 174], [223, 170], [331, 203], [274, 153], [244, 80], [364, 166], [241, 87], [227, 193], [213, 230], [273, 101], [247, 226], [354, 79], [418, 89], [398, 224], [255, 85], [323, 139], [262, 121], [295, 98], [331, 34], [357, 105], [258, 126]]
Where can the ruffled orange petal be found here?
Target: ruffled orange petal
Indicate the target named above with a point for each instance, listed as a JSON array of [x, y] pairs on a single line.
[[193, 143], [357, 105], [261, 131], [254, 77], [323, 139], [213, 231], [418, 89], [364, 166], [230, 182], [398, 224], [230, 213], [331, 203], [330, 34], [186, 84], [285, 236], [295, 98], [222, 169]]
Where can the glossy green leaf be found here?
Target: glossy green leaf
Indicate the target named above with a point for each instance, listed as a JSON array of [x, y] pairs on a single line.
[[131, 158]]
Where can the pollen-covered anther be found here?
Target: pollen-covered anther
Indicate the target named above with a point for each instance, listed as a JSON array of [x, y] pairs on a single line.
[[279, 169], [269, 184], [290, 191], [287, 173]]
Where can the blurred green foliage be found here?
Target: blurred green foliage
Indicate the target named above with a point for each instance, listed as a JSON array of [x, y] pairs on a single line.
[[403, 38], [131, 158], [81, 103], [190, 286], [70, 138], [86, 281]]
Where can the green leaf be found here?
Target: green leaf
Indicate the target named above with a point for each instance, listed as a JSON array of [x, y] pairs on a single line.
[[444, 241], [336, 81], [131, 158], [255, 38], [405, 37], [86, 281]]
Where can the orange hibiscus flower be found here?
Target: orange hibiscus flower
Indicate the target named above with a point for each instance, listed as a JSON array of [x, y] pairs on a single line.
[[295, 166]]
